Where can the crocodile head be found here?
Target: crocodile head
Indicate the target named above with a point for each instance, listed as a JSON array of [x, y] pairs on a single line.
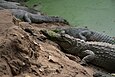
[[51, 35], [65, 41]]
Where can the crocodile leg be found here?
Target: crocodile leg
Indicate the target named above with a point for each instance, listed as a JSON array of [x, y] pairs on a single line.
[[27, 18], [89, 56], [83, 34], [82, 37]]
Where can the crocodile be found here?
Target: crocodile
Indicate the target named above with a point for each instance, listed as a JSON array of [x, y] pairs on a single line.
[[88, 35], [1, 8], [3, 1], [35, 18], [17, 0], [100, 74], [15, 5], [97, 53]]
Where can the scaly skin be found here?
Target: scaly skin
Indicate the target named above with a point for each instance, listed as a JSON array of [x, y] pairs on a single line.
[[17, 0], [88, 35], [97, 53], [15, 5], [100, 74], [35, 18]]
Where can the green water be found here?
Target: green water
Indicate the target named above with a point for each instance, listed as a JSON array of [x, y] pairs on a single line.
[[98, 15]]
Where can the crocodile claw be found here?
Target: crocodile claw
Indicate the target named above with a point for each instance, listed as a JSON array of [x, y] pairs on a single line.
[[83, 63]]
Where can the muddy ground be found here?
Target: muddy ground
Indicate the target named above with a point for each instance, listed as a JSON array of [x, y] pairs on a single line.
[[25, 52]]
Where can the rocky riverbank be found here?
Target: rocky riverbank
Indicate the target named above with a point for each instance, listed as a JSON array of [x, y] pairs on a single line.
[[25, 52]]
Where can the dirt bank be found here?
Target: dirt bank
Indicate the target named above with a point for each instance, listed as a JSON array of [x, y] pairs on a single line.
[[25, 52]]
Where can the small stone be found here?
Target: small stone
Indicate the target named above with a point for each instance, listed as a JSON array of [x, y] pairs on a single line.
[[27, 75]]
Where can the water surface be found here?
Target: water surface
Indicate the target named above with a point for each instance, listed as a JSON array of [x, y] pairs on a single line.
[[98, 15]]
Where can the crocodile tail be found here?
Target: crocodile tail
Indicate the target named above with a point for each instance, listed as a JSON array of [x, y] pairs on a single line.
[[102, 38]]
